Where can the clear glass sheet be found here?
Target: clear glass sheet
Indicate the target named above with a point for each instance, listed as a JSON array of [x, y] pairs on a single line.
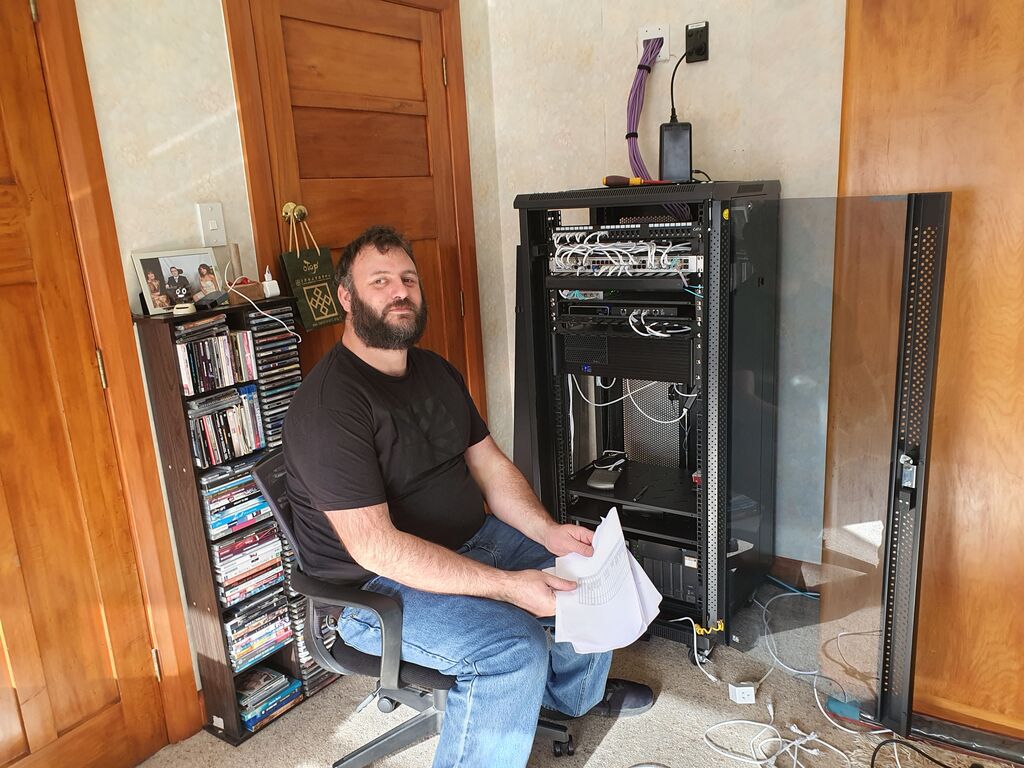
[[840, 274]]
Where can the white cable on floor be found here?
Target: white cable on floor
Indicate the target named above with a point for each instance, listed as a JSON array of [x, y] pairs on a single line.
[[810, 743], [814, 674]]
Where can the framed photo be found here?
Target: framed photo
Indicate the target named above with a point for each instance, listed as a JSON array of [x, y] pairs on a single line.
[[176, 277]]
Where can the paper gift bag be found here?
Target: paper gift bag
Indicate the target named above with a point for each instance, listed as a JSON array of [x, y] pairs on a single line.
[[310, 274]]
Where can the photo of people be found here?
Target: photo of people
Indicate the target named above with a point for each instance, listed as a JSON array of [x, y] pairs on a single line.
[[170, 278]]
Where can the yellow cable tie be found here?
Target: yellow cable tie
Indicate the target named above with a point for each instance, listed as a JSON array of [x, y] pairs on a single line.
[[719, 626]]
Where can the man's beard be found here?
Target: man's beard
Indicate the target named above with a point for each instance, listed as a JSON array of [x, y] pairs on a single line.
[[377, 332]]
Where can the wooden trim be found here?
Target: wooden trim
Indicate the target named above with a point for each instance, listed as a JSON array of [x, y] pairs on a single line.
[[96, 237], [255, 145], [431, 5], [458, 130], [964, 713], [306, 98]]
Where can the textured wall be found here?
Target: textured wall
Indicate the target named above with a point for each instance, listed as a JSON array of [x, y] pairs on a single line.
[[165, 107], [547, 86]]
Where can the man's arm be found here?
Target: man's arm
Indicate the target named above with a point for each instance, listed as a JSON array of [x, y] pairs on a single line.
[[373, 541], [513, 501]]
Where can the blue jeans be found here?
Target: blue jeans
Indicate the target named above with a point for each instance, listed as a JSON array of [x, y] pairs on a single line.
[[505, 664]]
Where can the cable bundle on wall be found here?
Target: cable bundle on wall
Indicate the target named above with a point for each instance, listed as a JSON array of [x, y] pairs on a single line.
[[635, 105]]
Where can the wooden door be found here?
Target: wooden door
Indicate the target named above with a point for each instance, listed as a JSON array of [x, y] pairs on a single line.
[[77, 681], [359, 129], [944, 113]]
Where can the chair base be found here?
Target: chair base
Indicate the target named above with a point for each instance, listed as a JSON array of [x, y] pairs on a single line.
[[424, 725]]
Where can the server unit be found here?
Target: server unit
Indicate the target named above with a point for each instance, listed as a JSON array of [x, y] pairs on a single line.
[[650, 333]]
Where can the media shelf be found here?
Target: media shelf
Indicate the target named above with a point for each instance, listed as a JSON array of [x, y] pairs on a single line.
[[219, 384], [643, 487], [660, 526]]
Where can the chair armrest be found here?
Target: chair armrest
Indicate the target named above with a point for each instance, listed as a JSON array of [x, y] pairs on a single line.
[[387, 610]]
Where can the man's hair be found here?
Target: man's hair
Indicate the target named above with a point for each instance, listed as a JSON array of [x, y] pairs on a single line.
[[382, 238]]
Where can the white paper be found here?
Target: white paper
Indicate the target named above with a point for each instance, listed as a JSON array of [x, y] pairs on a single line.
[[614, 602]]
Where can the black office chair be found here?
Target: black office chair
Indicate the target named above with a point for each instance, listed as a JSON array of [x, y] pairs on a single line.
[[398, 682]]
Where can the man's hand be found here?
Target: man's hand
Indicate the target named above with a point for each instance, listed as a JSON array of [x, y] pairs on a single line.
[[534, 591], [563, 539]]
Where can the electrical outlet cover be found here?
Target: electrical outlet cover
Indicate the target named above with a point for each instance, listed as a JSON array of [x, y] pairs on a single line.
[[651, 31], [697, 42], [742, 693], [211, 224]]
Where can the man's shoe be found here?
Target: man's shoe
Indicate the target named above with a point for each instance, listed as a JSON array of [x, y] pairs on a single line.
[[622, 698]]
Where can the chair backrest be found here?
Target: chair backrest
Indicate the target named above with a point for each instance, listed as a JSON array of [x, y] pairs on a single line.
[[270, 477]]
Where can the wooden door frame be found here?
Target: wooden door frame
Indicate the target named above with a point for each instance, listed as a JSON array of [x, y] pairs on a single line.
[[268, 228], [81, 157]]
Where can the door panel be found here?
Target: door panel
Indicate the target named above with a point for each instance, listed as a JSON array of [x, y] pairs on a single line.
[[327, 59], [403, 139], [55, 554], [357, 126], [79, 684], [406, 203]]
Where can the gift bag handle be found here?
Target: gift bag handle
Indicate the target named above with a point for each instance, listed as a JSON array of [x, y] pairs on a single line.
[[296, 214]]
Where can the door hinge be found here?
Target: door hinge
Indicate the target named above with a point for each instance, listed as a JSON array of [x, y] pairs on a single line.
[[103, 369], [462, 304], [35, 10], [444, 70], [156, 663]]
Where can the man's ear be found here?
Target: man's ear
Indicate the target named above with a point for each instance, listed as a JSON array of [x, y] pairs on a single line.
[[345, 297]]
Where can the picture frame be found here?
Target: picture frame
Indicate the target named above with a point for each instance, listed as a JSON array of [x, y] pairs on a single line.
[[183, 276]]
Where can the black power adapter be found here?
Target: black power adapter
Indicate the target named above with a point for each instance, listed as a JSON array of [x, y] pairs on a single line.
[[675, 156], [675, 153]]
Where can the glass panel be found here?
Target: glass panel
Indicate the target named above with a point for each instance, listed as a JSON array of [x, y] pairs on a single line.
[[840, 277]]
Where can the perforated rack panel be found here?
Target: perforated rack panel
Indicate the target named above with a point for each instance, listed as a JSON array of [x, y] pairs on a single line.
[[921, 305], [715, 387]]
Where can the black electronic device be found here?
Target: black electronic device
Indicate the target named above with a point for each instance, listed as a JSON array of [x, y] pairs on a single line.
[[211, 300], [675, 152], [603, 479], [628, 331]]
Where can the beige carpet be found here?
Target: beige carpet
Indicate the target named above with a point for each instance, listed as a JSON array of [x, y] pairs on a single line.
[[670, 734]]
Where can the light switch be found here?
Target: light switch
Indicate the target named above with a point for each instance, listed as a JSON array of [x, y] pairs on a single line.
[[211, 224]]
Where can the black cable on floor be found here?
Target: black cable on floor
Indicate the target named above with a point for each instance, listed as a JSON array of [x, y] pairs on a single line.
[[908, 745]]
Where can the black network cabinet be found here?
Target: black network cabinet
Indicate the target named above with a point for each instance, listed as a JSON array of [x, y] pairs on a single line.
[[652, 329]]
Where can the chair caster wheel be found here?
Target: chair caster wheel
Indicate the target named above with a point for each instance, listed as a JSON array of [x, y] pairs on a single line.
[[568, 748]]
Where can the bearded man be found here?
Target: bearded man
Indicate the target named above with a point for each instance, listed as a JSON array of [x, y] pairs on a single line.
[[389, 465]]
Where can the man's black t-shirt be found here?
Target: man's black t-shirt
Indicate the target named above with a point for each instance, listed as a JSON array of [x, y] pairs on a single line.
[[355, 437]]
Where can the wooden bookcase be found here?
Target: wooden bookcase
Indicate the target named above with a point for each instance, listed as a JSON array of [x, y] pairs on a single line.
[[182, 481]]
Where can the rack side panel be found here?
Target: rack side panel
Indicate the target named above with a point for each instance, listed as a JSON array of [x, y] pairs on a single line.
[[921, 305]]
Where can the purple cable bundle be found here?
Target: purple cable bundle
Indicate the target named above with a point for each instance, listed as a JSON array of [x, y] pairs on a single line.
[[635, 106]]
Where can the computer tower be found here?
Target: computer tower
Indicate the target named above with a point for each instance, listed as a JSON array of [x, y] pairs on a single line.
[[651, 328]]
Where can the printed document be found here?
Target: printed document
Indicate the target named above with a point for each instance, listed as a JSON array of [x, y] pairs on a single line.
[[614, 602]]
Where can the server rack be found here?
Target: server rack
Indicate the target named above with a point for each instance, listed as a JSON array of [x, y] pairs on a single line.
[[661, 342]]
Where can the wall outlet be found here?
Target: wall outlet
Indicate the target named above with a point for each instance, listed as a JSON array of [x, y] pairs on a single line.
[[696, 42], [211, 224], [649, 32], [743, 693]]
